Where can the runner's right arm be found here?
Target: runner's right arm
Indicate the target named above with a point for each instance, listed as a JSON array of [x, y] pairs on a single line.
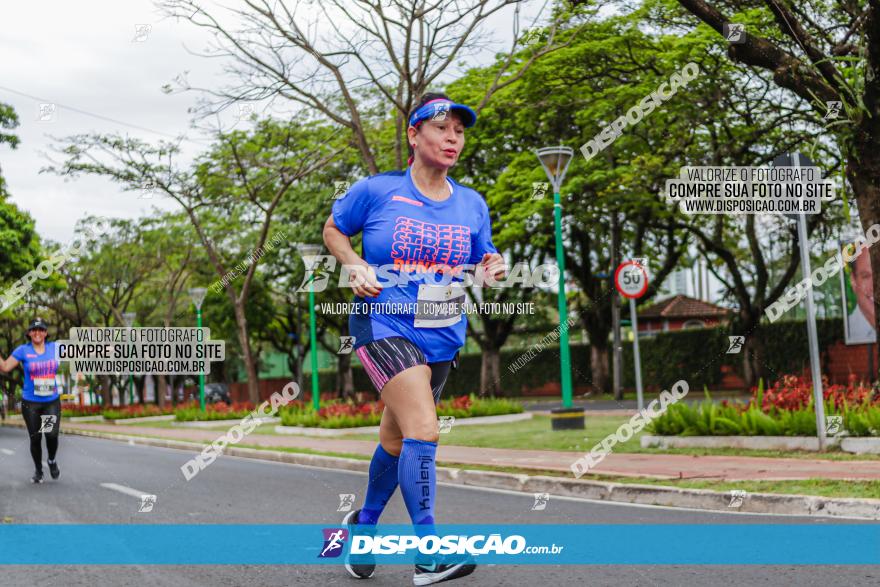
[[7, 365], [363, 276]]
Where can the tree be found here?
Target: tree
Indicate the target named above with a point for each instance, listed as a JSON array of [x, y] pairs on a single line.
[[375, 57], [604, 68], [239, 182], [174, 242], [19, 254], [820, 52]]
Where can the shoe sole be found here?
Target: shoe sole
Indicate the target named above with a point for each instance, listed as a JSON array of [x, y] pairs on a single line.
[[455, 572], [348, 567], [351, 572]]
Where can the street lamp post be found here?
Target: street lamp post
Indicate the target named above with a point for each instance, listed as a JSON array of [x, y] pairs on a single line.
[[555, 162], [306, 251], [198, 296], [128, 318]]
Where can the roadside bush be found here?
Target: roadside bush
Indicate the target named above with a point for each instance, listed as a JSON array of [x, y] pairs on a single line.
[[74, 410], [218, 411], [785, 410], [136, 411], [349, 415]]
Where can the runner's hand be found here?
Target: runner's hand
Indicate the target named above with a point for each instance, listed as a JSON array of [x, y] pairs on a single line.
[[493, 267], [362, 278]]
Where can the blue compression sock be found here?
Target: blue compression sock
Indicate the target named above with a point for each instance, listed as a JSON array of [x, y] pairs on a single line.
[[381, 486], [417, 475]]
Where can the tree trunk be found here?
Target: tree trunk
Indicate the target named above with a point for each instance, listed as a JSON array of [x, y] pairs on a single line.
[[247, 356], [160, 390], [753, 361], [345, 377], [106, 394], [599, 365], [490, 372], [294, 363], [9, 393]]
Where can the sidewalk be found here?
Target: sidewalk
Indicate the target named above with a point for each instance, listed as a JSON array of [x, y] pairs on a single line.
[[656, 466]]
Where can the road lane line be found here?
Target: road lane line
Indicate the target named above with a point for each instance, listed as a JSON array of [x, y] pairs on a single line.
[[125, 490], [6, 451]]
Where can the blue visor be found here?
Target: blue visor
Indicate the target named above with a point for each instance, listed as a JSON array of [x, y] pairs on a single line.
[[439, 109]]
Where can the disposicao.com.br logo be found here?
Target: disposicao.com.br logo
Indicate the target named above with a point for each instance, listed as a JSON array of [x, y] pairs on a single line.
[[478, 544], [334, 541]]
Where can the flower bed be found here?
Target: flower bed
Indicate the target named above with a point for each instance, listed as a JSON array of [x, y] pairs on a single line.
[[74, 410], [350, 415], [786, 409], [218, 411]]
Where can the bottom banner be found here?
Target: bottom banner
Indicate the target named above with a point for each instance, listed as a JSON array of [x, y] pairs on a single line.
[[539, 544]]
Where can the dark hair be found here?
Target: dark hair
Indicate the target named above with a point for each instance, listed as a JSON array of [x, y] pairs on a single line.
[[426, 97]]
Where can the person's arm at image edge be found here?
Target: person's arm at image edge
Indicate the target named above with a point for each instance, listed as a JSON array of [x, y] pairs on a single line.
[[8, 364]]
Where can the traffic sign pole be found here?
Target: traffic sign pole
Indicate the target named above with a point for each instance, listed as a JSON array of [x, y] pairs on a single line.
[[638, 359], [631, 280]]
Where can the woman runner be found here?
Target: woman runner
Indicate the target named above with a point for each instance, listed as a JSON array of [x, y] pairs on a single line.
[[40, 401], [428, 228]]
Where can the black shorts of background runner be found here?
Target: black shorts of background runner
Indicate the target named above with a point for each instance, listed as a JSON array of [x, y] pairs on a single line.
[[31, 412], [386, 357]]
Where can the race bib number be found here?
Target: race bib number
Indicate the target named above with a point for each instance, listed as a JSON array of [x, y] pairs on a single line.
[[439, 306], [44, 386]]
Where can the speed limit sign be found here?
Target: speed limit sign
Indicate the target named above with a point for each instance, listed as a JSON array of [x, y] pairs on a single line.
[[631, 279]]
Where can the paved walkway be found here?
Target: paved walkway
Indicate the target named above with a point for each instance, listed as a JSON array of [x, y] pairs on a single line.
[[658, 466]]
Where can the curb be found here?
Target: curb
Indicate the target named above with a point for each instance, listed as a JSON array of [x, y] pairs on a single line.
[[218, 423], [139, 420], [850, 444], [702, 499]]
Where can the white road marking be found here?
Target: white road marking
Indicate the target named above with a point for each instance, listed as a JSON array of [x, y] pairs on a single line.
[[125, 490], [6, 451]]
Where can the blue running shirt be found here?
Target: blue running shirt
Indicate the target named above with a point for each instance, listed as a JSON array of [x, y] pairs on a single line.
[[413, 233], [39, 372]]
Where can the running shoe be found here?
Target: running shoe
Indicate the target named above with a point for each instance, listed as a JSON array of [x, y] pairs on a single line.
[[360, 566], [38, 477], [437, 572], [54, 470]]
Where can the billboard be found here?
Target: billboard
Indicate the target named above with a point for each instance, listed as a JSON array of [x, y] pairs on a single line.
[[857, 297]]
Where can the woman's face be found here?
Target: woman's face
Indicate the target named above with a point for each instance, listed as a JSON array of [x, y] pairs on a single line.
[[38, 335], [862, 280], [438, 142]]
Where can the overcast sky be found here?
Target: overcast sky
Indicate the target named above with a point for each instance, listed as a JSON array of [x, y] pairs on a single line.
[[89, 56]]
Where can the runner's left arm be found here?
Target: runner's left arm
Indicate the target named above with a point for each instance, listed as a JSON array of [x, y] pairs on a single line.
[[484, 254]]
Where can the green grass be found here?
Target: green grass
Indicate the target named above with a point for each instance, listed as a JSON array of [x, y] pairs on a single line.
[[534, 434], [629, 395], [819, 487]]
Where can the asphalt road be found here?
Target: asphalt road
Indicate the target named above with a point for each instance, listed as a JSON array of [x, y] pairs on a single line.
[[241, 491]]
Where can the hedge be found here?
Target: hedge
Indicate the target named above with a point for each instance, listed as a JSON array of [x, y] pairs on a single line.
[[695, 355]]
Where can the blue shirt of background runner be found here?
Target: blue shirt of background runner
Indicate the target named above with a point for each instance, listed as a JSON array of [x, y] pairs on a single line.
[[39, 368]]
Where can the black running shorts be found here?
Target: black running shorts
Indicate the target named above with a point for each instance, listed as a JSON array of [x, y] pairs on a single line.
[[386, 357]]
